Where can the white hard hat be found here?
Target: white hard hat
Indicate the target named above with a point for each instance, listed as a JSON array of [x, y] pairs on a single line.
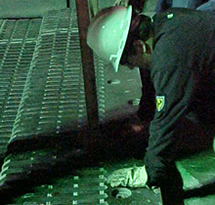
[[108, 32]]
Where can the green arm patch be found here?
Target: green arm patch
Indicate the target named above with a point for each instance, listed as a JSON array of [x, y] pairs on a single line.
[[160, 102]]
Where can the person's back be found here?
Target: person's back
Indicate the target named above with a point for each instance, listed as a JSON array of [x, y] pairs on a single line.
[[185, 39]]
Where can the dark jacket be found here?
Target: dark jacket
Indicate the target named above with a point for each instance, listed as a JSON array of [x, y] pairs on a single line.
[[163, 5], [183, 75]]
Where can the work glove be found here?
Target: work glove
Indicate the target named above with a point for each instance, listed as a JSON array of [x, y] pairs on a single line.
[[129, 177]]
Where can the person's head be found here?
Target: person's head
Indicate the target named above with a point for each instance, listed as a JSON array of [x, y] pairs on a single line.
[[138, 48], [118, 35]]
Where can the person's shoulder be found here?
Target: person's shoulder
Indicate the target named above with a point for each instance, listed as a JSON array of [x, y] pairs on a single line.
[[177, 14]]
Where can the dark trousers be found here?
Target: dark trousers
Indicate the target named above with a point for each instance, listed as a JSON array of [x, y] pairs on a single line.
[[172, 190]]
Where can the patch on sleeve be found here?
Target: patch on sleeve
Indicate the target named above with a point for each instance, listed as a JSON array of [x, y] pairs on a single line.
[[160, 103]]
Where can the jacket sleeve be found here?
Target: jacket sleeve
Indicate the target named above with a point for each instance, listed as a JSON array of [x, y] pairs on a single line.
[[147, 104], [174, 88]]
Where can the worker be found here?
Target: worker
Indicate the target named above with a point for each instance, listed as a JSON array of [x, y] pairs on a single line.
[[177, 47]]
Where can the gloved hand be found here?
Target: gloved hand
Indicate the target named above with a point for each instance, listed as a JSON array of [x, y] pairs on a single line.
[[129, 177]]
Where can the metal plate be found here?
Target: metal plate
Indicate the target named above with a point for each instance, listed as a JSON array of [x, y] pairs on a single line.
[[54, 94], [17, 45], [83, 187], [51, 95], [87, 186], [29, 9]]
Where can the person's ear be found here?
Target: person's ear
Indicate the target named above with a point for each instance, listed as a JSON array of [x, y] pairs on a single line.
[[140, 46]]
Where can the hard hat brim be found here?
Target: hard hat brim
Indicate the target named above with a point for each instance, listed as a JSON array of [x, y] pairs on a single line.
[[116, 63]]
